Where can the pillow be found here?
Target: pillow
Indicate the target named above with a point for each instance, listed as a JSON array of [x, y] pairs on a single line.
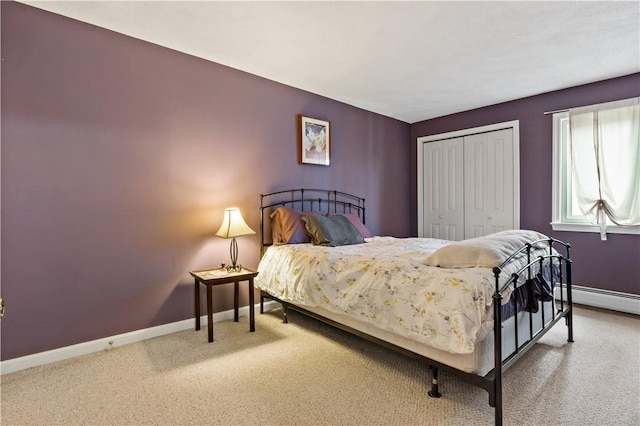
[[331, 231], [287, 227], [357, 222], [488, 251]]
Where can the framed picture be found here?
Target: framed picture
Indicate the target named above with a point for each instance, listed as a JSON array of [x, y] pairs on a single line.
[[314, 146]]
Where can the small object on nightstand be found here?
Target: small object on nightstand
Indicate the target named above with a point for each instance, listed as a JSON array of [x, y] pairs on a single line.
[[211, 277]]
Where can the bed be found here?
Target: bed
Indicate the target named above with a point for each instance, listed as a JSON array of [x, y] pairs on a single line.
[[471, 308]]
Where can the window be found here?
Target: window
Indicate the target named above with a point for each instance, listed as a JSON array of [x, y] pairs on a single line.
[[596, 168]]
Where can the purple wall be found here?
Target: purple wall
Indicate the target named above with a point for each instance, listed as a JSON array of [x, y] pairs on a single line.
[[613, 264], [118, 159]]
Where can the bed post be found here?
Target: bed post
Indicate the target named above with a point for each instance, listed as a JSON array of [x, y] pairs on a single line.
[[569, 316], [261, 225], [497, 350]]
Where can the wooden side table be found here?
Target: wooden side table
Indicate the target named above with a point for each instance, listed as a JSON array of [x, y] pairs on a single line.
[[211, 277]]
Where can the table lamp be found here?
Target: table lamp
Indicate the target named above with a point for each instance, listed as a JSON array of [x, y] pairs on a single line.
[[233, 225]]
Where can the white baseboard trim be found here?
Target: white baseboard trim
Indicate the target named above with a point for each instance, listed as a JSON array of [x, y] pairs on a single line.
[[606, 299], [54, 355]]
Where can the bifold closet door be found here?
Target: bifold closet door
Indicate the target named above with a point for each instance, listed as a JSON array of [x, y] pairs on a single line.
[[489, 183], [443, 185]]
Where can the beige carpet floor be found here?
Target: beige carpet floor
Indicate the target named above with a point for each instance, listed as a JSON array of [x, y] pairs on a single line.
[[307, 373]]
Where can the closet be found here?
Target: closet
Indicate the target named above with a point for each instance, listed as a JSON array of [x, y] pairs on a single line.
[[468, 182]]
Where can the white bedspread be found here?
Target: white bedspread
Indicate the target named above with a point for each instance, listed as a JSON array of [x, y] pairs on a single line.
[[385, 282]]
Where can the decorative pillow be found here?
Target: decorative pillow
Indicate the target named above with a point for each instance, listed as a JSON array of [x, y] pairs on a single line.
[[287, 227], [331, 231], [488, 251], [355, 221]]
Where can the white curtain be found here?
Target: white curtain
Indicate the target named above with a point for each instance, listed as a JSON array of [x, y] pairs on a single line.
[[605, 159]]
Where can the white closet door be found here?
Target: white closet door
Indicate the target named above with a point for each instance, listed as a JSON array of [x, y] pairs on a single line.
[[443, 183], [489, 183]]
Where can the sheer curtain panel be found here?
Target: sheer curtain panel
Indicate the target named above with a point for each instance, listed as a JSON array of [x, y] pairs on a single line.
[[605, 159]]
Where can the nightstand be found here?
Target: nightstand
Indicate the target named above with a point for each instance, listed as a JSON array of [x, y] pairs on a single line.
[[211, 277]]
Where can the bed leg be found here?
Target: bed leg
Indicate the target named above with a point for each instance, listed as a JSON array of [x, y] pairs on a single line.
[[569, 316], [498, 410], [569, 319], [284, 311], [434, 392], [261, 303]]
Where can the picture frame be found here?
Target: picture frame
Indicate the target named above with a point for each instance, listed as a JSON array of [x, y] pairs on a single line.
[[314, 141]]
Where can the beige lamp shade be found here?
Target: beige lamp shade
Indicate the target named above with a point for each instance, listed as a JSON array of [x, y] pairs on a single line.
[[233, 225]]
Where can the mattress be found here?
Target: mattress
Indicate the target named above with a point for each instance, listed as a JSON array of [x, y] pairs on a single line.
[[386, 285]]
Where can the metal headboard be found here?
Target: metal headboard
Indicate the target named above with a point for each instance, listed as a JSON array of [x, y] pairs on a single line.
[[309, 200]]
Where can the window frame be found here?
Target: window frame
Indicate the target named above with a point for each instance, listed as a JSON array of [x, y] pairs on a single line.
[[561, 180]]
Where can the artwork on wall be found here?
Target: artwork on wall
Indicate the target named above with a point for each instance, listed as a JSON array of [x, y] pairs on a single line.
[[314, 145]]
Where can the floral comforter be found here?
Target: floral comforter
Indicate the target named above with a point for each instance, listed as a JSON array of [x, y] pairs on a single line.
[[386, 283]]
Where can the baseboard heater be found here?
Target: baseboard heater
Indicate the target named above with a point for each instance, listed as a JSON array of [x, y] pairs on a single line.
[[606, 299]]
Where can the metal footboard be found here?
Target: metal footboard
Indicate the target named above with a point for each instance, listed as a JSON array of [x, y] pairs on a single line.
[[560, 309]]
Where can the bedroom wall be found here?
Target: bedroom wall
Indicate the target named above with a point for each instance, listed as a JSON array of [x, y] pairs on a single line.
[[118, 159], [612, 264]]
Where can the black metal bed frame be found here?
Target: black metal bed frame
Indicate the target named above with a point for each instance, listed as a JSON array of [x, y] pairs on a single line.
[[336, 201]]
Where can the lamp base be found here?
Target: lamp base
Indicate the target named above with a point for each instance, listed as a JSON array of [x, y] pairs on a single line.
[[234, 268], [233, 251]]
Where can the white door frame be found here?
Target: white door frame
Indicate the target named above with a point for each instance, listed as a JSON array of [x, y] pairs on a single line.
[[515, 125]]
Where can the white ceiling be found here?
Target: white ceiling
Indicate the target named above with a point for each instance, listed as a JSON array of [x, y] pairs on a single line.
[[408, 60]]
